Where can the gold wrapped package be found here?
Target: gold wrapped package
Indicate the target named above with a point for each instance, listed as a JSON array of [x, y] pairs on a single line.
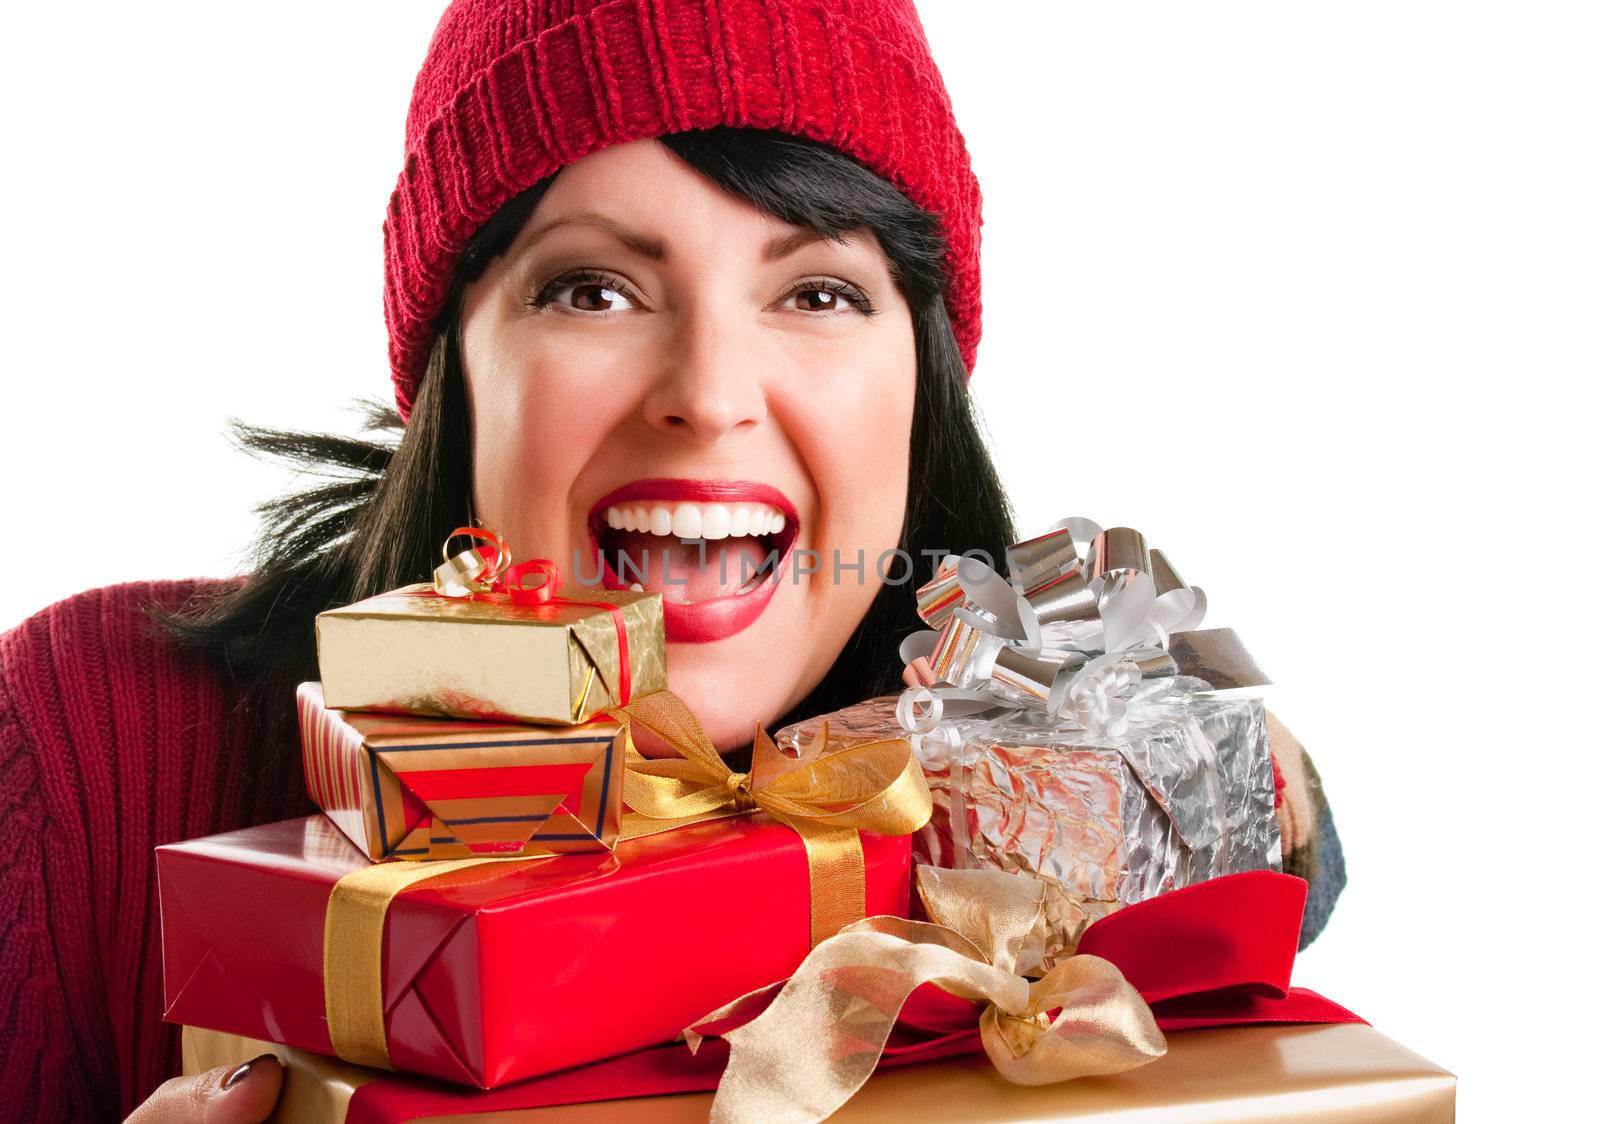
[[403, 787], [413, 651], [1327, 1073]]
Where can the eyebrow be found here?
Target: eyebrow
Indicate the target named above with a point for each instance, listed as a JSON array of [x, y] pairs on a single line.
[[779, 247]]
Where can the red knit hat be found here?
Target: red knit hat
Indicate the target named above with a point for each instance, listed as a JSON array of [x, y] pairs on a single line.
[[513, 90]]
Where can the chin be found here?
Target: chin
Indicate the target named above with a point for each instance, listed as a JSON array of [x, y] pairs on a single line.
[[717, 683]]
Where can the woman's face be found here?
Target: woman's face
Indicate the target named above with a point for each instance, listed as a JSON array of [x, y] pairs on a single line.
[[658, 369]]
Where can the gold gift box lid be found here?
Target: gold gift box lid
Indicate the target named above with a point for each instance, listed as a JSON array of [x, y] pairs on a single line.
[[413, 651]]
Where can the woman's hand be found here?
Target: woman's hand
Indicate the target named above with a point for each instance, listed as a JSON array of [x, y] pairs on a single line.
[[229, 1094], [1296, 820], [918, 673]]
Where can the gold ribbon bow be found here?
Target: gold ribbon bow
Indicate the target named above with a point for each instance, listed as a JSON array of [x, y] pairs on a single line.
[[817, 1043], [827, 798]]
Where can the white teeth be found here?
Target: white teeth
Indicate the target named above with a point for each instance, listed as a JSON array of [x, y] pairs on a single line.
[[715, 521], [696, 520], [686, 521]]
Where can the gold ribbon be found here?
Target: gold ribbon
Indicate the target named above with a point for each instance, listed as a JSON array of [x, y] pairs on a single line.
[[817, 1043], [827, 798], [352, 951]]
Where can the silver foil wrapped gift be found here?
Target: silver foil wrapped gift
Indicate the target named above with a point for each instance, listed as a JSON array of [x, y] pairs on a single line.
[[1185, 794], [1072, 731]]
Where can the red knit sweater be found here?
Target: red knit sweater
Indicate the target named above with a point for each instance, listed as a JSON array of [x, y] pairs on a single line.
[[112, 741]]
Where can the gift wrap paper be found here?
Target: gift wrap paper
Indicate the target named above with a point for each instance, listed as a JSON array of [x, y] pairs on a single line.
[[414, 651], [507, 969], [1329, 1074], [1185, 796], [403, 787]]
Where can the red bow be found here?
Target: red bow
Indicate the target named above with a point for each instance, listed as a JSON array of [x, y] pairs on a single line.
[[1218, 953], [533, 584]]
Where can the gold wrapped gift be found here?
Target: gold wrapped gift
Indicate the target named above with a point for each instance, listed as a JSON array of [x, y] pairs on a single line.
[[1319, 1073], [415, 651], [403, 787]]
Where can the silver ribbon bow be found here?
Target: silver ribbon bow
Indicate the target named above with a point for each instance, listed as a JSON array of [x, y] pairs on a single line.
[[1070, 630]]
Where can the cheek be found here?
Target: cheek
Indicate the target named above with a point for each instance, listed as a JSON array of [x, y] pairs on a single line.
[[857, 448], [536, 422]]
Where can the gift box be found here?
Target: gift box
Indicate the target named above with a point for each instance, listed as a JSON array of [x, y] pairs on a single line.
[[403, 787], [565, 660], [1185, 794], [491, 971], [1070, 727], [1209, 965], [1333, 1073]]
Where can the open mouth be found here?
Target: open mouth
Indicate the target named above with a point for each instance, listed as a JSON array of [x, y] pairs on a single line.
[[713, 549]]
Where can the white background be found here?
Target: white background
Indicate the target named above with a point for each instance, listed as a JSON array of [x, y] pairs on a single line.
[[1308, 293]]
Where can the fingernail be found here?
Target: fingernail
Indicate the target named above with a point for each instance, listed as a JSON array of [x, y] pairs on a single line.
[[243, 1071]]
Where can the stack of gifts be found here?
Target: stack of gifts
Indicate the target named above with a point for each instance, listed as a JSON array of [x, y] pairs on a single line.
[[481, 728], [506, 908]]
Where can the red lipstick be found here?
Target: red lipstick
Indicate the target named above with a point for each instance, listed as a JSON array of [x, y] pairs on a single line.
[[716, 618]]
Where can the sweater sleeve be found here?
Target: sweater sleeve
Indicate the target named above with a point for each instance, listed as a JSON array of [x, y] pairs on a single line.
[[1326, 874], [113, 740], [42, 1074], [1311, 847]]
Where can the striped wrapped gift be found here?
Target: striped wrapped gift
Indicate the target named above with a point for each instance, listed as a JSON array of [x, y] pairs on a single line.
[[407, 787]]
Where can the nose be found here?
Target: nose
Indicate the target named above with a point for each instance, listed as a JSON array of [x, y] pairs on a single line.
[[711, 382]]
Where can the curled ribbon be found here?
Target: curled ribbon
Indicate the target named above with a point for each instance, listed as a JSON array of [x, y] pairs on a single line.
[[470, 573], [534, 583], [1081, 1018], [826, 797], [1067, 631]]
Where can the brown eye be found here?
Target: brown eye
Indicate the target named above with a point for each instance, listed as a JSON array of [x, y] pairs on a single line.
[[591, 292], [594, 298], [818, 300], [827, 296]]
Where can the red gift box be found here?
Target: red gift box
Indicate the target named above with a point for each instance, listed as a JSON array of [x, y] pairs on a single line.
[[506, 970]]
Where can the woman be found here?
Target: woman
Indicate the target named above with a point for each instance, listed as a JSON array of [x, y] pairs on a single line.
[[655, 272]]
